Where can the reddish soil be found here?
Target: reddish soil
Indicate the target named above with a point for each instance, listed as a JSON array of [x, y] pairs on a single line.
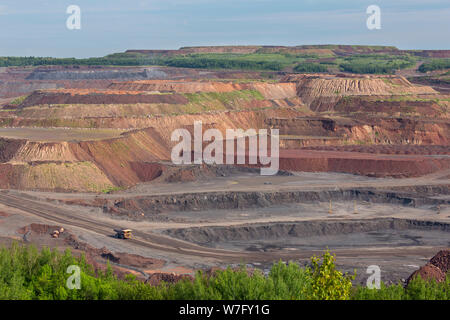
[[425, 108], [433, 53], [189, 50], [442, 260], [428, 272], [156, 279], [40, 229], [268, 90], [361, 163], [388, 149], [147, 171], [118, 157], [99, 97], [4, 214], [437, 268], [8, 148], [371, 130]]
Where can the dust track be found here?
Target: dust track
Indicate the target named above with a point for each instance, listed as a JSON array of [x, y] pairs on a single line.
[[169, 245], [67, 218]]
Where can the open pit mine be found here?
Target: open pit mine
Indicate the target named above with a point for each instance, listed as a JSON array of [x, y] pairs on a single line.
[[364, 168]]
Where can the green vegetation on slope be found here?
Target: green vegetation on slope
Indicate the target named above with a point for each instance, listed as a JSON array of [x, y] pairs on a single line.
[[219, 101], [270, 62], [435, 64], [376, 63], [262, 60], [310, 67], [308, 58], [224, 97], [18, 100], [132, 60], [26, 273]]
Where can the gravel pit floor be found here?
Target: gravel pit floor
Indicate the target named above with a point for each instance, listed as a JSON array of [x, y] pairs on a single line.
[[398, 251], [59, 134], [320, 235], [397, 246]]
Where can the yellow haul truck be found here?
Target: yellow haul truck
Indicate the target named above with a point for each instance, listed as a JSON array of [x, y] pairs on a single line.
[[123, 233]]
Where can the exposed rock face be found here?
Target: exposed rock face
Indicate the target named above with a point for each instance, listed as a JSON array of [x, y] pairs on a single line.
[[322, 92], [86, 96], [8, 148], [361, 111], [16, 88], [428, 272], [372, 131], [339, 50], [45, 74], [332, 85], [252, 232], [436, 269], [268, 90], [156, 279], [442, 260], [242, 200], [122, 161]]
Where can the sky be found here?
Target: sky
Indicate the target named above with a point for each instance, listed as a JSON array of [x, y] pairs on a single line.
[[38, 27]]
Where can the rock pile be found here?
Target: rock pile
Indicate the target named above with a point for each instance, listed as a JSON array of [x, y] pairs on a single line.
[[437, 268]]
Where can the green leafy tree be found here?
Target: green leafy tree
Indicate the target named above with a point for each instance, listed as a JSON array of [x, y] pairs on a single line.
[[327, 283]]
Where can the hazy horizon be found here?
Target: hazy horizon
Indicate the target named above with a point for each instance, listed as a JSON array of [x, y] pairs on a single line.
[[38, 28]]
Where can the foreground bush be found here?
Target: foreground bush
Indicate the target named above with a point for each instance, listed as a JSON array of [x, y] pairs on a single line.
[[26, 273], [327, 283], [435, 64], [417, 289]]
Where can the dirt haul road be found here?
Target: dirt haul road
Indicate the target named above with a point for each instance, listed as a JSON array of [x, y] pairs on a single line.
[[258, 183], [166, 245]]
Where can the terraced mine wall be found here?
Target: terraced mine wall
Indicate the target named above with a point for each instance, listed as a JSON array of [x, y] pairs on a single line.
[[9, 147], [387, 105], [46, 97], [407, 149], [362, 164], [78, 166], [252, 232], [130, 74], [122, 161], [158, 107], [268, 90], [242, 200], [390, 131], [323, 92], [54, 176], [169, 105], [17, 88], [222, 120], [18, 81]]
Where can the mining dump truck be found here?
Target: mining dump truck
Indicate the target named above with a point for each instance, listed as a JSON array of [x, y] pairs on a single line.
[[123, 233]]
